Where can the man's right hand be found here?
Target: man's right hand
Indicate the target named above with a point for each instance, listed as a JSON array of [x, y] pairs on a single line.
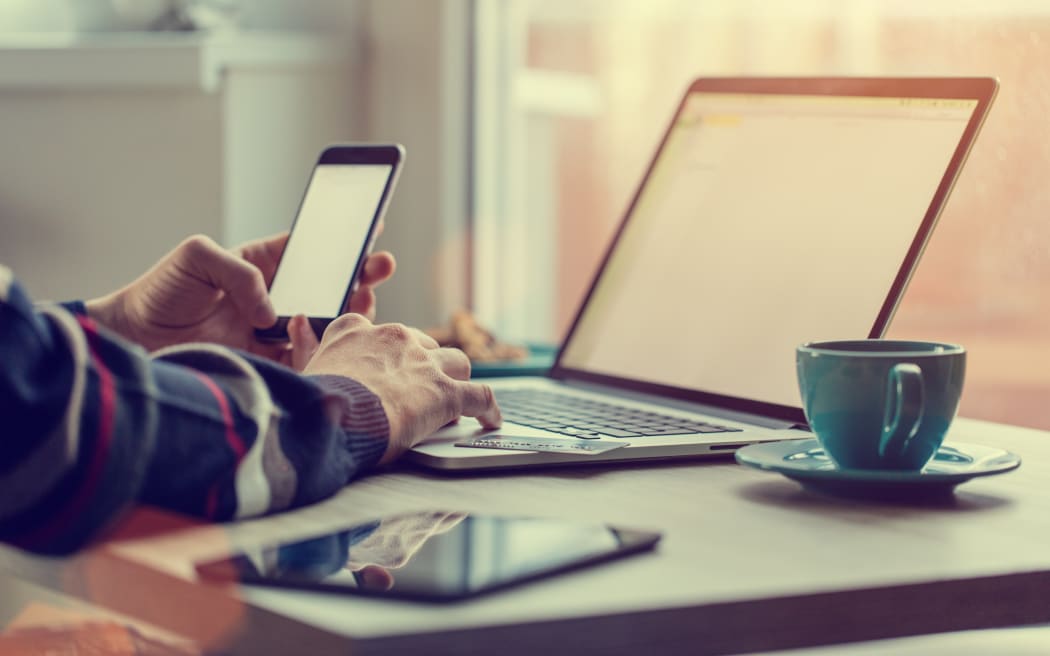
[[421, 385]]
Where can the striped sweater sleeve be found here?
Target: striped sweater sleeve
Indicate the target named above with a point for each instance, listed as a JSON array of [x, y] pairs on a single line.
[[91, 424]]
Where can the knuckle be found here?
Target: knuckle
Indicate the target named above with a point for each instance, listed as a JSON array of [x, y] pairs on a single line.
[[330, 331], [458, 363], [198, 244], [417, 354], [465, 365], [253, 278], [395, 332], [345, 322]]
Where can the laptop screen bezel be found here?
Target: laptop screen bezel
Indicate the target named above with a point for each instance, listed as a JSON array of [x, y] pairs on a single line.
[[980, 89]]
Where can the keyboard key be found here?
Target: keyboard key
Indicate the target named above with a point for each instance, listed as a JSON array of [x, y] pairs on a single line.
[[615, 432], [580, 433], [668, 431]]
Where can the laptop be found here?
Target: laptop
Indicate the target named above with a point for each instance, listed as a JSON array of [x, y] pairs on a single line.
[[775, 212]]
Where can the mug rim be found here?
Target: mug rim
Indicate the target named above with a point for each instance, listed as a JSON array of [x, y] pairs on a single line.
[[919, 348]]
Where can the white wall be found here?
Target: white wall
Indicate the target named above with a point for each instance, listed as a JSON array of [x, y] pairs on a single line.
[[90, 193]]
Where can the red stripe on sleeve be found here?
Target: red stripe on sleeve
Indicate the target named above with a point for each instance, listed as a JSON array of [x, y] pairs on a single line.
[[234, 441], [232, 438], [107, 412]]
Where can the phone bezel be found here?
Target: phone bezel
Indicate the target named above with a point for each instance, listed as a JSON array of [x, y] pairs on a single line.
[[343, 154]]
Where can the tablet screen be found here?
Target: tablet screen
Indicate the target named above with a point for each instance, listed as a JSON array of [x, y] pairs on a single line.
[[432, 555]]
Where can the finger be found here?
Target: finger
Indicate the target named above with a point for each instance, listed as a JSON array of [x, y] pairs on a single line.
[[478, 401], [278, 352], [453, 362], [378, 268], [264, 254], [304, 341], [374, 577], [240, 280], [362, 301]]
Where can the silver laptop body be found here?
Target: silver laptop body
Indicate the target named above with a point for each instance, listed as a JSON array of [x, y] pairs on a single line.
[[776, 211]]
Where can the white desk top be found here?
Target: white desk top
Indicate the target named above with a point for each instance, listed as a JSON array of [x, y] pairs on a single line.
[[735, 541]]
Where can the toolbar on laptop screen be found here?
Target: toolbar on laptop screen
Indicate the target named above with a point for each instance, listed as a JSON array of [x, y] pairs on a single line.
[[766, 221]]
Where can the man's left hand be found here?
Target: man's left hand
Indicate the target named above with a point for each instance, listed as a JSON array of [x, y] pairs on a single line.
[[201, 292]]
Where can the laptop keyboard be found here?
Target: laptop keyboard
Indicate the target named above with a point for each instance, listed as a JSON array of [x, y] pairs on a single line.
[[589, 419]]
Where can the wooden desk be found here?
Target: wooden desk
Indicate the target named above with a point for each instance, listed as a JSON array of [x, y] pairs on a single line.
[[749, 561]]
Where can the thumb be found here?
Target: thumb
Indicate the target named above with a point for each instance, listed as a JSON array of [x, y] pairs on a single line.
[[304, 341], [240, 280]]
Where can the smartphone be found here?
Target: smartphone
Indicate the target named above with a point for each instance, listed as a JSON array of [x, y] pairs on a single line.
[[332, 234], [431, 555]]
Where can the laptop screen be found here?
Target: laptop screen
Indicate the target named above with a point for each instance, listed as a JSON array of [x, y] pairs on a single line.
[[765, 221]]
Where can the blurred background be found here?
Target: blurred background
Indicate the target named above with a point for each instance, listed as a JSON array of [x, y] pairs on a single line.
[[126, 125]]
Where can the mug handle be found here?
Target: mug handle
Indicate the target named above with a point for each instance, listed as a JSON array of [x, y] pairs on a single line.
[[904, 409]]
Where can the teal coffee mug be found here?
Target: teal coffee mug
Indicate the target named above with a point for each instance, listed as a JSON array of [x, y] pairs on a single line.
[[880, 404]]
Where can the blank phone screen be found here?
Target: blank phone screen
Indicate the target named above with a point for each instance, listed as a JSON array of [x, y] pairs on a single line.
[[329, 236]]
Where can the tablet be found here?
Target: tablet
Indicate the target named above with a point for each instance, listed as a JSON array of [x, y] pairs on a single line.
[[431, 555]]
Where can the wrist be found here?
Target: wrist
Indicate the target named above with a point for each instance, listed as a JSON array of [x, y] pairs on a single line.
[[108, 311]]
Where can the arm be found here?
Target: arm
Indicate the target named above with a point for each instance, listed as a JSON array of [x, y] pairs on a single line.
[[90, 424]]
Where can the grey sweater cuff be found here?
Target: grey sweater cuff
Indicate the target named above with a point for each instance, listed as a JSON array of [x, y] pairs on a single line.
[[363, 418]]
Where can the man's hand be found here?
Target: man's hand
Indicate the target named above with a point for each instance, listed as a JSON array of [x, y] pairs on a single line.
[[421, 385], [201, 292]]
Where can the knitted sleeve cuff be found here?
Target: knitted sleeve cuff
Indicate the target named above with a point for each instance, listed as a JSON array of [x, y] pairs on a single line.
[[363, 417]]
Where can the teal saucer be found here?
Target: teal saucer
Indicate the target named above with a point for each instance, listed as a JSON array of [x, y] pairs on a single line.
[[804, 461]]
